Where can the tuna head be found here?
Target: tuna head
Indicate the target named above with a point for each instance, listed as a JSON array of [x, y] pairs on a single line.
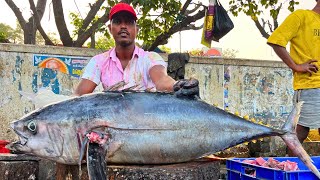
[[38, 137]]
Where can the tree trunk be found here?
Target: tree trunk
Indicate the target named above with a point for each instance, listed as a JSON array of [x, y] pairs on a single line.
[[61, 23], [93, 41], [29, 28], [29, 31]]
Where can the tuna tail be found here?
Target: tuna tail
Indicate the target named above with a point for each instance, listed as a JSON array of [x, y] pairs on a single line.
[[292, 141]]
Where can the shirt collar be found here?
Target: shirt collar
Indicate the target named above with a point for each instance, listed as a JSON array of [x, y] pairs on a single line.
[[136, 53]]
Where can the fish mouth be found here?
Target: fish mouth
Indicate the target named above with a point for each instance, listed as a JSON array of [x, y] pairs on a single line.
[[15, 146]]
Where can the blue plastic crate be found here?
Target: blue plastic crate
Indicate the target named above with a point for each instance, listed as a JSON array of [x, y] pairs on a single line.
[[236, 170]]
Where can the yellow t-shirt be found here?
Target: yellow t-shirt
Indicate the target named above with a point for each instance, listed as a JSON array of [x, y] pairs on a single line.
[[302, 29]]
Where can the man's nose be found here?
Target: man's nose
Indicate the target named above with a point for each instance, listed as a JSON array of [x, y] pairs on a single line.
[[123, 24]]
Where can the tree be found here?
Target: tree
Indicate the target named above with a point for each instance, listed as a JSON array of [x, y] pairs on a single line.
[[155, 29], [170, 17], [255, 9], [29, 27], [10, 35], [103, 43], [5, 33]]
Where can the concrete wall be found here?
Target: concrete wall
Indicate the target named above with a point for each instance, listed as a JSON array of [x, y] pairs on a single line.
[[261, 89]]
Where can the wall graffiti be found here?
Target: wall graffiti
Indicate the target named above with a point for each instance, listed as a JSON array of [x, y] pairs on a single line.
[[258, 92], [50, 66], [65, 64]]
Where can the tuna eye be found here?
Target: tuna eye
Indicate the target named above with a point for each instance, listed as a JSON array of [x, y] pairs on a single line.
[[32, 127]]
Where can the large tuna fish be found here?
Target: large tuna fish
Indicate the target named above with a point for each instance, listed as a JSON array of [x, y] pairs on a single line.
[[142, 128]]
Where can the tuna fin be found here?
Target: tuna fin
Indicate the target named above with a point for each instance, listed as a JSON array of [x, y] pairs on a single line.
[[292, 141], [96, 162], [83, 148], [293, 118]]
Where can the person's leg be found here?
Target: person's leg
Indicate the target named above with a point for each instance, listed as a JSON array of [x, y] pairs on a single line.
[[302, 133]]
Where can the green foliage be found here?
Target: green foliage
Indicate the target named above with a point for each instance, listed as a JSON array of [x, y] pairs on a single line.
[[254, 8], [2, 37], [165, 49], [103, 43], [8, 33], [77, 22], [52, 36], [155, 17]]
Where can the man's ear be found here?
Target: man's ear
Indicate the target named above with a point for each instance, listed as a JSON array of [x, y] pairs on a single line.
[[109, 27], [137, 29]]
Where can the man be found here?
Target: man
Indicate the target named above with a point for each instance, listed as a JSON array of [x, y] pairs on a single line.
[[302, 29], [127, 62]]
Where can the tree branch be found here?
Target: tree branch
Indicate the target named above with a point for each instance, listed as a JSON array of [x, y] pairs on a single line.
[[275, 19], [261, 29], [163, 38], [93, 11], [192, 27], [185, 6], [193, 10], [61, 23], [39, 27], [85, 35], [17, 12]]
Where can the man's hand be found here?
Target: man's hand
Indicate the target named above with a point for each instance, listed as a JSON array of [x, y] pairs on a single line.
[[308, 67], [186, 87]]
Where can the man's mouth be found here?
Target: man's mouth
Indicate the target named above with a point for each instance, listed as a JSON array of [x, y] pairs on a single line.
[[123, 33]]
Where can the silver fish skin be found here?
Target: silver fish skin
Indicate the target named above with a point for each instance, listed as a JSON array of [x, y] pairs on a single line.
[[143, 128]]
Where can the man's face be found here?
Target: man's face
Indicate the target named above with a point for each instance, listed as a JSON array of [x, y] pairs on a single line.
[[123, 29]]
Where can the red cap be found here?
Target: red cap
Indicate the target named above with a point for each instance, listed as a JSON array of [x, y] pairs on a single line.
[[122, 7]]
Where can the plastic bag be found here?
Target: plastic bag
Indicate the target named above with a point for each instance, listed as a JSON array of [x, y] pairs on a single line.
[[222, 22]]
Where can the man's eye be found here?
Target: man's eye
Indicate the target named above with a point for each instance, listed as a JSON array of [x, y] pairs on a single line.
[[130, 22], [116, 21]]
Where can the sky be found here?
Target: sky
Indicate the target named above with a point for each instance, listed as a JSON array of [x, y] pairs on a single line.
[[244, 38]]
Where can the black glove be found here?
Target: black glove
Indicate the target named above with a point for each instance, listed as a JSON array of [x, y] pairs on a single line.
[[186, 87]]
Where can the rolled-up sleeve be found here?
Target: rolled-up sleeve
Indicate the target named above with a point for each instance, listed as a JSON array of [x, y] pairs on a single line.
[[286, 31], [92, 72], [154, 59]]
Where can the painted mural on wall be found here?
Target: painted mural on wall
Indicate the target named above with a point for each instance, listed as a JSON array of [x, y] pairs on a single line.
[[65, 64], [51, 65]]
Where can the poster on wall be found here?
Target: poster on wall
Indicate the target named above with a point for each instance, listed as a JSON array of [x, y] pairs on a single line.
[[65, 64]]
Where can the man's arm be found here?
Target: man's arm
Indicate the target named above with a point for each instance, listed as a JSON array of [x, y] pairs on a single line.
[[286, 58], [161, 79], [85, 87]]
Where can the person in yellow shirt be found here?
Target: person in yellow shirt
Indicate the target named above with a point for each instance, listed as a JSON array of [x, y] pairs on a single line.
[[302, 29]]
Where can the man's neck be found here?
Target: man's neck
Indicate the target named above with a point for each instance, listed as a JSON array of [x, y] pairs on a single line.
[[125, 53]]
